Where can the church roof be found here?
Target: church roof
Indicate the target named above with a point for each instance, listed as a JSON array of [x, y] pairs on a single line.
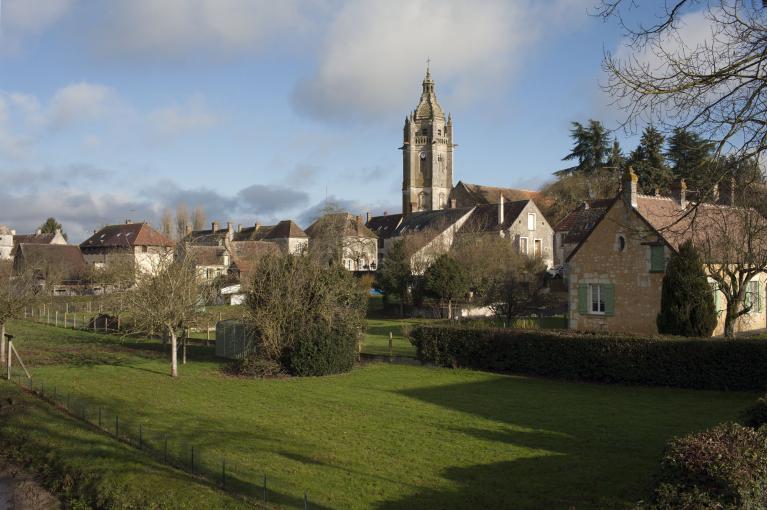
[[485, 217], [492, 194], [384, 226], [428, 107]]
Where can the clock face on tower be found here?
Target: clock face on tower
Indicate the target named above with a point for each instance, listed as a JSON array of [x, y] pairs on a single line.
[[422, 155]]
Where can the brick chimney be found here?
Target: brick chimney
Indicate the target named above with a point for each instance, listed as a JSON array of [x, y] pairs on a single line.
[[500, 211], [727, 191], [214, 226], [367, 217], [239, 227], [629, 190], [679, 192]]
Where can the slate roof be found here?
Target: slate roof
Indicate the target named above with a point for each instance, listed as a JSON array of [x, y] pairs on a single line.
[[65, 256], [126, 235], [581, 220], [436, 221], [349, 226], [384, 226], [484, 218], [254, 233], [206, 237]]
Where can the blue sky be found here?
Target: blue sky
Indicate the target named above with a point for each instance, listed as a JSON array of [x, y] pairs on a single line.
[[256, 110]]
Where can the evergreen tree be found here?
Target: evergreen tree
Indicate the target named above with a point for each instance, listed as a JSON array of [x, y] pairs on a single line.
[[616, 159], [394, 276], [690, 159], [446, 279], [590, 148], [649, 163], [687, 305], [51, 226]]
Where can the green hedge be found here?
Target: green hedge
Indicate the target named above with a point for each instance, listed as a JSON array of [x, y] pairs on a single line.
[[660, 361]]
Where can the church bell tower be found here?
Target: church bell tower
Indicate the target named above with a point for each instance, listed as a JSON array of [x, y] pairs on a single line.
[[427, 154]]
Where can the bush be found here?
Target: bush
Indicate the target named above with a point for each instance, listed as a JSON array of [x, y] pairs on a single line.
[[659, 361], [254, 366], [306, 315], [723, 467], [756, 415]]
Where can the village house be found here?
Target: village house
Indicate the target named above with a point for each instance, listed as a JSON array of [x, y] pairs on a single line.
[[136, 244], [615, 274], [60, 269], [575, 226], [6, 242], [358, 244]]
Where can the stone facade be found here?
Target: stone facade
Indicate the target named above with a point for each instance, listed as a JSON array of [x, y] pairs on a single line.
[[427, 154]]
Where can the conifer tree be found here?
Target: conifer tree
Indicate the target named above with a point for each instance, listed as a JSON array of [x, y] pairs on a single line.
[[690, 158], [649, 162], [394, 275], [687, 306]]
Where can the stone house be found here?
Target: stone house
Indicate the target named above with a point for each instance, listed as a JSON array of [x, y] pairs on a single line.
[[136, 244], [574, 227], [615, 274], [288, 236], [58, 268], [358, 244], [6, 242]]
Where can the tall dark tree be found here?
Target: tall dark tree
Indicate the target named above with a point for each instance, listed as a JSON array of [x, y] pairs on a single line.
[[591, 147], [690, 158], [446, 280], [51, 226], [615, 158], [394, 275], [687, 306], [649, 163]]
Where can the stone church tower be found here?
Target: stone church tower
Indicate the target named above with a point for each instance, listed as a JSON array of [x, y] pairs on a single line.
[[427, 154]]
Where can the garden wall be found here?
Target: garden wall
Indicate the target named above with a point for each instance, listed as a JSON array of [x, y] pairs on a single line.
[[658, 361]]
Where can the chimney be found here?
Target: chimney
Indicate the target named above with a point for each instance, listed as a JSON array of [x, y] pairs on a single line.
[[367, 217], [386, 212], [239, 227], [500, 211], [229, 226], [452, 203], [629, 191], [38, 232], [727, 191], [679, 192], [214, 226]]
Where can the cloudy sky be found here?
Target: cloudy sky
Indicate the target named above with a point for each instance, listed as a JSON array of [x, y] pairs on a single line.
[[259, 110]]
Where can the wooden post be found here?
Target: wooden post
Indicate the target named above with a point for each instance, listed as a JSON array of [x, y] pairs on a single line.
[[56, 318], [74, 321], [219, 316], [390, 344], [2, 343], [65, 319], [118, 323], [8, 360], [66, 310]]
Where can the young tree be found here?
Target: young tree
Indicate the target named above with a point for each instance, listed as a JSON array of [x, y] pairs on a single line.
[[167, 300], [18, 290], [198, 218], [446, 280], [687, 305], [649, 163], [182, 221], [50, 226], [394, 274]]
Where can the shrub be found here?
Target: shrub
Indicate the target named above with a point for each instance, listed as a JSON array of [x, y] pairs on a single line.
[[723, 467], [756, 415], [307, 316], [660, 361], [254, 366], [687, 305]]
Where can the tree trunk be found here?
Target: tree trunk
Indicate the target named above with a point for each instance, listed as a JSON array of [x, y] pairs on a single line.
[[2, 342], [729, 322], [183, 353], [449, 309], [173, 355]]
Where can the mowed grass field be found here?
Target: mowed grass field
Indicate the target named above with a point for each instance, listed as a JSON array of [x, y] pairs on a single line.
[[387, 436]]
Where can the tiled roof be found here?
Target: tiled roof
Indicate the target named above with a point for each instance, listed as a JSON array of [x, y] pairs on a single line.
[[384, 226], [33, 239], [206, 237], [126, 235], [207, 255], [484, 218], [579, 222], [246, 253], [285, 229], [67, 257], [492, 194], [255, 233], [345, 222]]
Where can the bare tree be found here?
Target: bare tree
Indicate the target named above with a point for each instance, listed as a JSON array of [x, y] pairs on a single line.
[[715, 85], [167, 300], [166, 223], [198, 218], [18, 290], [182, 220]]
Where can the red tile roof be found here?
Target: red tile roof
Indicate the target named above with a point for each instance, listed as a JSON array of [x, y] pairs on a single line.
[[126, 235]]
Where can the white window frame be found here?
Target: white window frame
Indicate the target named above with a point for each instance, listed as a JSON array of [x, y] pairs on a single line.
[[531, 224], [600, 300], [527, 245], [540, 243]]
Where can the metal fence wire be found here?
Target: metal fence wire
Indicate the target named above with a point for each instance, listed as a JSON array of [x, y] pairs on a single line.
[[248, 483]]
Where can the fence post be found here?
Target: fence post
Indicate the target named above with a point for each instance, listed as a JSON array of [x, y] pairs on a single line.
[[391, 351], [207, 334], [74, 321], [66, 310], [48, 314], [65, 319], [56, 318]]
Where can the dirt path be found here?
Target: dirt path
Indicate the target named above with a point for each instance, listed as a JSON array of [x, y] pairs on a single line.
[[20, 491]]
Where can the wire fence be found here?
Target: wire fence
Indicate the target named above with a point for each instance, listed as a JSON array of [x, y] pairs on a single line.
[[249, 483]]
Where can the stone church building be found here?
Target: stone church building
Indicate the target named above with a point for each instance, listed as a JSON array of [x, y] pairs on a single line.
[[431, 205]]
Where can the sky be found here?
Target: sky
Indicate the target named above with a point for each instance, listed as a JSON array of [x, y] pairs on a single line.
[[262, 110]]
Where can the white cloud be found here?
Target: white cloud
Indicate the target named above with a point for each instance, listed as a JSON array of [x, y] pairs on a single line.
[[81, 102], [375, 52], [177, 120], [32, 15]]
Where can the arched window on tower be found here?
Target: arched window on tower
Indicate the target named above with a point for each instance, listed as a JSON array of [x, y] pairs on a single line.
[[441, 200], [421, 201]]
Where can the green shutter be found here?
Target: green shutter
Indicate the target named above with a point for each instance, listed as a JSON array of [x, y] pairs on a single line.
[[583, 298], [715, 289], [758, 297], [657, 259], [608, 294]]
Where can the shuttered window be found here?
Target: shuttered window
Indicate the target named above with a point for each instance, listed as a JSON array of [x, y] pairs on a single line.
[[753, 297], [596, 299], [657, 259]]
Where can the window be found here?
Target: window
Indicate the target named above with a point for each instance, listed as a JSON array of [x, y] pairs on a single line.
[[144, 248], [657, 259], [424, 131], [621, 243], [421, 201], [596, 299], [538, 247], [439, 132], [530, 221], [753, 299], [523, 245], [441, 200]]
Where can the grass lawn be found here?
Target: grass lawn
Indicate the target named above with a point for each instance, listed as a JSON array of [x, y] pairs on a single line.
[[387, 436], [377, 337]]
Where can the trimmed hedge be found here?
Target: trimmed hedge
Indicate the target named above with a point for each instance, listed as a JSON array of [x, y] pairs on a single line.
[[659, 361]]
